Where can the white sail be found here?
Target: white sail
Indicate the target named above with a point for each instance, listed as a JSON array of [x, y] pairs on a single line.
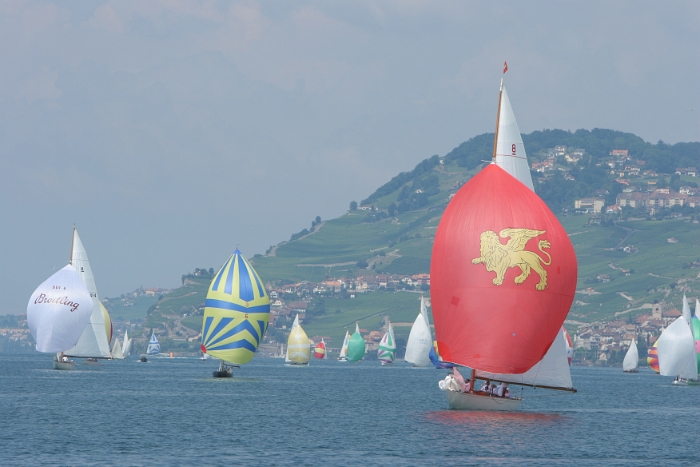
[[126, 350], [153, 345], [687, 315], [552, 371], [510, 151], [631, 361], [117, 350], [344, 348], [59, 310], [676, 349], [94, 341], [420, 340], [697, 308]]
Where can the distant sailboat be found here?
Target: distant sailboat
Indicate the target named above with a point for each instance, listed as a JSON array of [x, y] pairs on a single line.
[[653, 357], [630, 364], [356, 346], [236, 315], [343, 357], [499, 307], [126, 349], [117, 352], [320, 351], [420, 339], [298, 346], [57, 314], [94, 342], [153, 345], [386, 352]]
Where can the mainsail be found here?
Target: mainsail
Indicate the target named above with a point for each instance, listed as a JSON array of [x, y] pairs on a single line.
[[631, 361], [94, 342], [117, 352], [153, 345], [420, 340], [356, 346], [298, 345], [126, 350], [59, 310], [696, 333], [236, 313], [676, 351], [344, 349], [386, 352], [509, 151]]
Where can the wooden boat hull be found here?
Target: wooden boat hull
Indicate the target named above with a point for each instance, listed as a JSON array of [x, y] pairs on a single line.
[[70, 365], [475, 401]]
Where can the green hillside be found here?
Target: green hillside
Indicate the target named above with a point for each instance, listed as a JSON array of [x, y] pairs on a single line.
[[392, 232]]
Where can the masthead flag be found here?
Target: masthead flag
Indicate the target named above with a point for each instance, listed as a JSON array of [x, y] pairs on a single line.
[[505, 67]]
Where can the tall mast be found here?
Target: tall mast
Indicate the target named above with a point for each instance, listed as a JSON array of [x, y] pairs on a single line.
[[498, 120], [72, 241]]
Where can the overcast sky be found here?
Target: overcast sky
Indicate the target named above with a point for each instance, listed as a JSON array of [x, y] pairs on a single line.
[[171, 132]]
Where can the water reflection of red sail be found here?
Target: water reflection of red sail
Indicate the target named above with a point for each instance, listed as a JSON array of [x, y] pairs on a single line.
[[503, 277]]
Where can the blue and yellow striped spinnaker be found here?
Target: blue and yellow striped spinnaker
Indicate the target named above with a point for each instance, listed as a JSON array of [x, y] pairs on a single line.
[[236, 312]]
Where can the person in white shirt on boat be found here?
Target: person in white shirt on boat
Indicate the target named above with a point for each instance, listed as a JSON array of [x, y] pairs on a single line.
[[485, 387], [500, 390]]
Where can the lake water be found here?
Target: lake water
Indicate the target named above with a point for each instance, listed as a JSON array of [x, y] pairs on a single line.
[[171, 412]]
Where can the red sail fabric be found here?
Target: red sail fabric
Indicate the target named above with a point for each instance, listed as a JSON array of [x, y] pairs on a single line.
[[496, 232], [320, 351]]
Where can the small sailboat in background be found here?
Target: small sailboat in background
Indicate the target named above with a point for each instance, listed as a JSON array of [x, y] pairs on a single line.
[[153, 345], [653, 357], [57, 314], [386, 352], [117, 352], [126, 349], [630, 364], [356, 346], [94, 342], [236, 315], [676, 349], [420, 339], [298, 346], [320, 351], [343, 357], [498, 307]]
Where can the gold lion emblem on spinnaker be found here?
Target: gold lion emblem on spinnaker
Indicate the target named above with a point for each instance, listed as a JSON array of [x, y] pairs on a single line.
[[499, 257]]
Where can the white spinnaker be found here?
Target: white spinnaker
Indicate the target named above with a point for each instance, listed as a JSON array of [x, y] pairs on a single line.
[[631, 361], [126, 350], [553, 370], [676, 348], [510, 151], [117, 350], [420, 340], [58, 311], [93, 342]]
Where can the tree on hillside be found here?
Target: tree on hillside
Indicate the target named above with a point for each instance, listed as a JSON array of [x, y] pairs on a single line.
[[353, 205]]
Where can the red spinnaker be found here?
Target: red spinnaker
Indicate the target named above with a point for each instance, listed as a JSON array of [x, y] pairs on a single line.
[[502, 277]]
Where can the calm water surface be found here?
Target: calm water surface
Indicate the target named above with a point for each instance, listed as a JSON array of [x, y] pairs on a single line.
[[170, 412]]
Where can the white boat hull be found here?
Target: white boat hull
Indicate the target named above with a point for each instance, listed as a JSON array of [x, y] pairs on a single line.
[[476, 401], [70, 365]]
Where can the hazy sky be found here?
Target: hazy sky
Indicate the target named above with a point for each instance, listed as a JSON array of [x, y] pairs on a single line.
[[171, 132]]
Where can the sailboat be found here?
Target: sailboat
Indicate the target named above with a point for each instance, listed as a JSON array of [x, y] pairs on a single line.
[[117, 352], [420, 339], [94, 342], [126, 348], [343, 357], [236, 315], [153, 345], [356, 346], [298, 346], [386, 352], [57, 314], [320, 351], [696, 332], [653, 357], [503, 278], [676, 349], [630, 364], [569, 345]]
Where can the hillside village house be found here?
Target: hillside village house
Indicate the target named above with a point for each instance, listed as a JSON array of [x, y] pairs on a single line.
[[594, 205]]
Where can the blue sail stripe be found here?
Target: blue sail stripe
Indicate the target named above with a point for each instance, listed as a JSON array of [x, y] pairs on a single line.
[[235, 345], [207, 324], [261, 290], [224, 305], [262, 326], [229, 278], [220, 275], [219, 326], [245, 287], [243, 326]]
